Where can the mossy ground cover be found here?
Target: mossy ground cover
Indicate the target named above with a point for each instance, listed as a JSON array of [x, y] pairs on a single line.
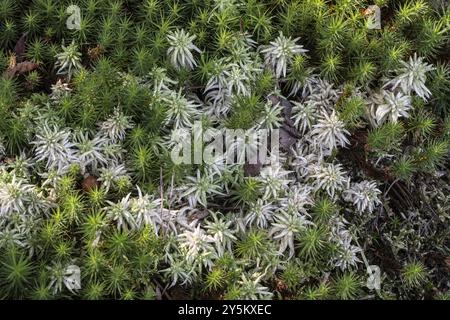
[[93, 205]]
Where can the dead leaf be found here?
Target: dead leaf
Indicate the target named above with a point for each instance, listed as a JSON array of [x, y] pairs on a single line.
[[19, 48], [20, 68], [287, 137], [94, 52], [26, 66], [89, 183], [288, 133], [198, 215], [252, 170]]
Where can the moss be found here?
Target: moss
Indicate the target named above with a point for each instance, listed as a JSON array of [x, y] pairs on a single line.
[[87, 130]]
